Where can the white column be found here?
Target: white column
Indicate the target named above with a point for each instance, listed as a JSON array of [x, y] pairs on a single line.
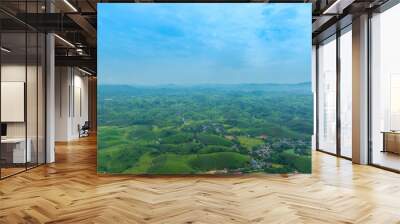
[[314, 92], [50, 100], [360, 90], [63, 99]]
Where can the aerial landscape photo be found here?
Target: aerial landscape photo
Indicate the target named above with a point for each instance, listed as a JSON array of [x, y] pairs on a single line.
[[204, 89]]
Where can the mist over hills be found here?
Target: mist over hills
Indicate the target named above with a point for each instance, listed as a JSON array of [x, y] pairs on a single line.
[[124, 90]]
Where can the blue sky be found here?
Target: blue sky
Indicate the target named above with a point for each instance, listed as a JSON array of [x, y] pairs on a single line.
[[152, 44]]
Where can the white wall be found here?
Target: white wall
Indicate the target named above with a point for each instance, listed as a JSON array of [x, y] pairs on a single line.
[[33, 127], [17, 73], [80, 105], [71, 94], [9, 73], [62, 82]]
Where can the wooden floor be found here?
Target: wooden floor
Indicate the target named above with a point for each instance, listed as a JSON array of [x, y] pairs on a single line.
[[387, 159], [70, 191], [5, 172]]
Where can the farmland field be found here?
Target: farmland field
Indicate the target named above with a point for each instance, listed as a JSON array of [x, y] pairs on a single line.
[[172, 129]]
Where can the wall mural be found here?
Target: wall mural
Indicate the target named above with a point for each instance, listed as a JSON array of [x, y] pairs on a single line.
[[204, 88]]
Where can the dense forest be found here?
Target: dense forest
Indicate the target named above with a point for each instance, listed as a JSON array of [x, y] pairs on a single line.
[[174, 129]]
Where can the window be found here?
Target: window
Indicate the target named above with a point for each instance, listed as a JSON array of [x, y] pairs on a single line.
[[346, 93], [327, 96], [23, 89], [385, 89]]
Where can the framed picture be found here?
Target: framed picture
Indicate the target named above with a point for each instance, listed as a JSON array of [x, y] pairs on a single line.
[[204, 88]]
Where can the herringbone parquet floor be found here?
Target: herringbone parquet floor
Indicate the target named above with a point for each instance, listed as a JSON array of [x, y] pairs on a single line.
[[70, 191]]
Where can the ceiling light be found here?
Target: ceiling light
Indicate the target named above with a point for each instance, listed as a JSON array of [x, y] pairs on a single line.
[[65, 41], [84, 71], [5, 50], [70, 5], [79, 51]]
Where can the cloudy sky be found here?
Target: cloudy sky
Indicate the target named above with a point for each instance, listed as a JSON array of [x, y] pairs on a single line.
[[151, 44]]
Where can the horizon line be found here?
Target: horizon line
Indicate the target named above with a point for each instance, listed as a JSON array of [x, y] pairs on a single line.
[[200, 84]]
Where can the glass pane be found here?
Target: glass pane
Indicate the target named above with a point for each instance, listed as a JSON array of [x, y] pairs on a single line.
[[327, 96], [14, 153], [386, 89], [346, 94], [31, 100], [41, 99]]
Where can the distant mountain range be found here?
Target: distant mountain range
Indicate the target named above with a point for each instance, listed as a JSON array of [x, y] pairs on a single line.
[[304, 87]]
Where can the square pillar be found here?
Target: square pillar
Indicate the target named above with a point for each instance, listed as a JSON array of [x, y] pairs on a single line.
[[360, 62]]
